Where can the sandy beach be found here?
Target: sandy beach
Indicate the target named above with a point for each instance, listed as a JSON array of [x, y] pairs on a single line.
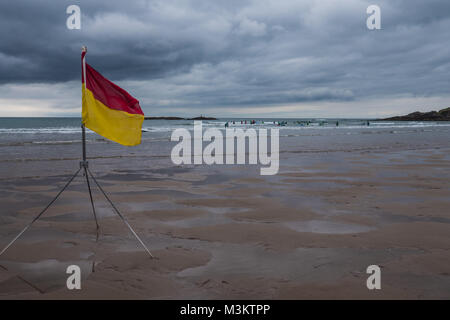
[[226, 232]]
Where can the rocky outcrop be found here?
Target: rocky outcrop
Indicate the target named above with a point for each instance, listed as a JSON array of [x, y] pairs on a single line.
[[441, 115], [203, 118]]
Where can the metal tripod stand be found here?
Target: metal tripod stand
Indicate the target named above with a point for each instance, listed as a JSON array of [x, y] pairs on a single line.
[[84, 165]]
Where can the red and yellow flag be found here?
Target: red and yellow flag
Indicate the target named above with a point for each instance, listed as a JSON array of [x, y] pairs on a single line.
[[108, 109]]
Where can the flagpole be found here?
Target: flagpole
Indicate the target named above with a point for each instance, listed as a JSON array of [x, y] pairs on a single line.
[[84, 163], [83, 137], [83, 129]]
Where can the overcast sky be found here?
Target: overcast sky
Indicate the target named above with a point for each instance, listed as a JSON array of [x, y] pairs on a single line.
[[262, 58]]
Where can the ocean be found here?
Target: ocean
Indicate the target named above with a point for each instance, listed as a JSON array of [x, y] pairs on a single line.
[[45, 146], [65, 130]]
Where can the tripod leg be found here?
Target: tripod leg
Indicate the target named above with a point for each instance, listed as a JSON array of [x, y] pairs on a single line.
[[120, 215], [41, 213], [92, 202]]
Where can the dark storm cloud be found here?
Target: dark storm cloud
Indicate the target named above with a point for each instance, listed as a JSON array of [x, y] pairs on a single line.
[[37, 47], [222, 53]]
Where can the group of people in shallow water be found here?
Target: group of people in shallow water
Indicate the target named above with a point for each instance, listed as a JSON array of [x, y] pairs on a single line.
[[284, 123], [227, 124], [278, 123]]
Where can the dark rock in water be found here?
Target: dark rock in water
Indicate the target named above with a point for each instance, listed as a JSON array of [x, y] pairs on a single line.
[[163, 118], [203, 118], [441, 115]]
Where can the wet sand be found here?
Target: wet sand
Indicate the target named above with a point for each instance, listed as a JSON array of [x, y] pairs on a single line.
[[222, 232]]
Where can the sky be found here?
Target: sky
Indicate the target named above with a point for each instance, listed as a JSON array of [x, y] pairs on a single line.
[[246, 58]]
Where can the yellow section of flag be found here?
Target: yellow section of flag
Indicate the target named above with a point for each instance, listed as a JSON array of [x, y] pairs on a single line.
[[118, 126]]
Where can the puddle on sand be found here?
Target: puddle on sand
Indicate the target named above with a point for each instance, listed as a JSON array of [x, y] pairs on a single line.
[[215, 217], [154, 205], [248, 260], [222, 210], [47, 275], [328, 227], [210, 220], [302, 264], [101, 210]]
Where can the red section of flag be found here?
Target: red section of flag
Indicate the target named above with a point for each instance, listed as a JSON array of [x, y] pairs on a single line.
[[108, 93]]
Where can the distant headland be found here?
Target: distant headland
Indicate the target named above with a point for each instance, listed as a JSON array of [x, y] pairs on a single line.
[[178, 118], [441, 115]]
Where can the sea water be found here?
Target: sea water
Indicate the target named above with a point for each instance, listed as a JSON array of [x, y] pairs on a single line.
[[33, 146]]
